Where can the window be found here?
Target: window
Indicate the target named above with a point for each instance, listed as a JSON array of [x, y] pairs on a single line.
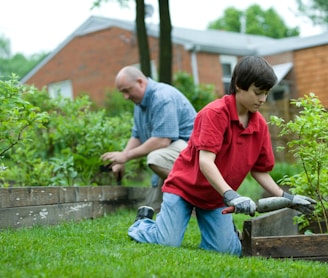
[[63, 88], [228, 64]]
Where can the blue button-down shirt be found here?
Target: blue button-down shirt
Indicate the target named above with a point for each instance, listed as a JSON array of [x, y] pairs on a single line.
[[163, 112]]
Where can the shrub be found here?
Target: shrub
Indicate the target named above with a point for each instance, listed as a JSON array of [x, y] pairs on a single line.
[[309, 144], [198, 95], [66, 150], [17, 117]]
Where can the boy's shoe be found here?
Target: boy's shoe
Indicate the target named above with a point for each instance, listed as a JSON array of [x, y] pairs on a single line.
[[144, 212]]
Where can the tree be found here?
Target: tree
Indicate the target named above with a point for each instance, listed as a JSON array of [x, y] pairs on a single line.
[[316, 10], [254, 21], [143, 46], [165, 42], [18, 63]]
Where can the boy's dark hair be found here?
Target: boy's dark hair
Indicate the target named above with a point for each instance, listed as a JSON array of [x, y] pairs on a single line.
[[252, 70]]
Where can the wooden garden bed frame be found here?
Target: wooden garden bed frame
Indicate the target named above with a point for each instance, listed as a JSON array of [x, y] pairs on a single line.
[[274, 235], [271, 235], [28, 206]]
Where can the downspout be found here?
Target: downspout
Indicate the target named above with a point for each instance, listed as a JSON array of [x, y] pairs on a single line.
[[194, 66]]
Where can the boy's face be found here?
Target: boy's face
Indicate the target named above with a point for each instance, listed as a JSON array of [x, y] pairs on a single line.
[[250, 100]]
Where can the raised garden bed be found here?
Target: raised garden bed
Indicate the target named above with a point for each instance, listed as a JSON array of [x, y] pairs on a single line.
[[274, 235], [28, 206]]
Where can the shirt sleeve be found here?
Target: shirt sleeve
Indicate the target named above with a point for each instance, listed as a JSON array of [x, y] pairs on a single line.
[[209, 129]]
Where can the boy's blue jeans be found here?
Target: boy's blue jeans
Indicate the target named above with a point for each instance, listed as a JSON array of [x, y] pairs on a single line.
[[217, 229]]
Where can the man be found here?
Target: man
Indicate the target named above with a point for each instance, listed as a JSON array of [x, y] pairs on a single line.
[[163, 122]]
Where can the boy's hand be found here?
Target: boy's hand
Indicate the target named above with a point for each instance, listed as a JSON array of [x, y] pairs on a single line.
[[242, 204], [301, 203]]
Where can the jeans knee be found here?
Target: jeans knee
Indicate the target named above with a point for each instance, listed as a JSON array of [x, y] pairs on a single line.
[[170, 242]]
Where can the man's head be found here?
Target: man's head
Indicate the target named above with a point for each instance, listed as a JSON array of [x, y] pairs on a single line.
[[132, 83], [252, 70]]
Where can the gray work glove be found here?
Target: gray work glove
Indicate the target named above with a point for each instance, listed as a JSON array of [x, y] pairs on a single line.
[[241, 204], [301, 203]]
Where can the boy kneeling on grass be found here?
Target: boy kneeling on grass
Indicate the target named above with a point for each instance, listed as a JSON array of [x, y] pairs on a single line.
[[230, 139]]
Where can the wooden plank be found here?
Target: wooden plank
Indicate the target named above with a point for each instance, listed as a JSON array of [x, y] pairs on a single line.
[[275, 235], [275, 223], [27, 206], [114, 193], [4, 198], [297, 246], [18, 217], [33, 196], [26, 196]]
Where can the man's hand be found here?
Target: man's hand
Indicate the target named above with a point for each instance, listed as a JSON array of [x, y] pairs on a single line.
[[301, 203], [115, 157], [118, 171], [242, 204]]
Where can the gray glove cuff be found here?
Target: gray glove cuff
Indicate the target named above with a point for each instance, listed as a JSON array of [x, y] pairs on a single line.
[[288, 196], [229, 195]]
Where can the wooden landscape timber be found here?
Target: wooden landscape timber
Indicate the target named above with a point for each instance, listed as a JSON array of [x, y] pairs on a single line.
[[274, 235], [271, 235], [28, 206]]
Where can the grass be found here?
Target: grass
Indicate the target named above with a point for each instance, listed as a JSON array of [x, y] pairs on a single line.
[[101, 248]]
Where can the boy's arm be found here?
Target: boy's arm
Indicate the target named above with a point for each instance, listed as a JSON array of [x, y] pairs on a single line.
[[301, 203], [230, 197]]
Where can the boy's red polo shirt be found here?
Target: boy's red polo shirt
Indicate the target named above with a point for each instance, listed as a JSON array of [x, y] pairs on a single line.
[[238, 150]]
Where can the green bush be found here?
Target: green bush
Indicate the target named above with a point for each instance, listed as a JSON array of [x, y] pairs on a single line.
[[198, 95], [309, 144], [115, 104], [17, 117], [64, 139], [66, 149], [283, 170]]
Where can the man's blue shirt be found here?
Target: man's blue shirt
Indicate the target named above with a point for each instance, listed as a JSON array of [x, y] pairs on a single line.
[[163, 112]]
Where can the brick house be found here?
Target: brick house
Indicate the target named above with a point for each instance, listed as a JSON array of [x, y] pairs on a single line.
[[88, 60]]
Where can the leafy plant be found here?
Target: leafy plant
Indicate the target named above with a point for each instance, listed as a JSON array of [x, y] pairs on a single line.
[[66, 150], [115, 104], [309, 145], [17, 116], [198, 95], [282, 170]]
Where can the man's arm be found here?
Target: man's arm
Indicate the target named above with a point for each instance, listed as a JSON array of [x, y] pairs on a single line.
[[134, 149], [153, 143]]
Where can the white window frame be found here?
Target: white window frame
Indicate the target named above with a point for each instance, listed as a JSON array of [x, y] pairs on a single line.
[[231, 61], [62, 88]]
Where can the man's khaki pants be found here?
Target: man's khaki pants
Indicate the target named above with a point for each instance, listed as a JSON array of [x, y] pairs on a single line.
[[165, 158]]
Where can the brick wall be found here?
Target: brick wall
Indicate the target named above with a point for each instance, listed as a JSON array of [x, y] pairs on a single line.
[[311, 70], [92, 61]]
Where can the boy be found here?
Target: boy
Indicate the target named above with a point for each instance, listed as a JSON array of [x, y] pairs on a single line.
[[230, 139]]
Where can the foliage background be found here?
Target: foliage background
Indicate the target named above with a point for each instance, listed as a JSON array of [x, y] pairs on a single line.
[[64, 146]]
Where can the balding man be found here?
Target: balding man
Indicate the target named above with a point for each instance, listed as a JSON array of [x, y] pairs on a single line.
[[163, 122]]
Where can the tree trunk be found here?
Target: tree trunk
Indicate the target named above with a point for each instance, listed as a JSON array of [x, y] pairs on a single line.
[[143, 47], [165, 42]]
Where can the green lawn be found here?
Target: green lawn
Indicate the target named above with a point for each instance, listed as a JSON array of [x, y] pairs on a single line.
[[101, 248]]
